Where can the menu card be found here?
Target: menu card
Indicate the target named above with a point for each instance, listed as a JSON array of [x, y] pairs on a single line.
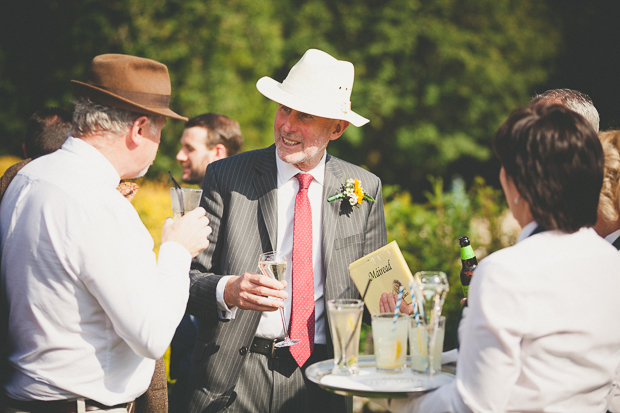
[[387, 269]]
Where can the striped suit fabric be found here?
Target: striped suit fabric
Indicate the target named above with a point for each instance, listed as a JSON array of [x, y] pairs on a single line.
[[240, 197]]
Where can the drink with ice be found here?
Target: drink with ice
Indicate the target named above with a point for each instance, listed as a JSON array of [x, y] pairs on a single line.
[[191, 200], [390, 342], [345, 322], [419, 340]]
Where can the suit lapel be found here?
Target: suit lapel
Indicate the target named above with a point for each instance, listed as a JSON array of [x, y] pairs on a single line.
[[616, 243], [333, 184], [266, 184]]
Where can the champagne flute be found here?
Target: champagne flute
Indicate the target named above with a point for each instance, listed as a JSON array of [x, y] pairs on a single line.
[[273, 264]]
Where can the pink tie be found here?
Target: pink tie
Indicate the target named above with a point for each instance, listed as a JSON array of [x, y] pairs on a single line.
[[302, 315]]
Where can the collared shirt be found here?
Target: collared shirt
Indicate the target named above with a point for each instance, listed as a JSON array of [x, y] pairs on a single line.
[[538, 332], [270, 325], [613, 236], [527, 230], [90, 306]]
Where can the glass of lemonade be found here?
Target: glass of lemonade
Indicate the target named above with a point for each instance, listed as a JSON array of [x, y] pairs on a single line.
[[345, 317], [420, 341], [191, 200], [390, 342]]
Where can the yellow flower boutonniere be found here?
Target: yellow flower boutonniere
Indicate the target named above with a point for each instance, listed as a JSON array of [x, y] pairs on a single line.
[[353, 192]]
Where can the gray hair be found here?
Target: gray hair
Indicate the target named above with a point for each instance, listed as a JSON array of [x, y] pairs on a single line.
[[91, 118], [572, 99]]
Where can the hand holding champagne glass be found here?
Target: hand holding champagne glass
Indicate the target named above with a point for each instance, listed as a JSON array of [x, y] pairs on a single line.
[[273, 264]]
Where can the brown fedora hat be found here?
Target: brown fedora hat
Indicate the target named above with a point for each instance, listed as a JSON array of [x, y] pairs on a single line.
[[128, 82]]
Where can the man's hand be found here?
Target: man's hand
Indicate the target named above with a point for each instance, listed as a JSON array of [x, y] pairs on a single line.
[[387, 304], [251, 291], [191, 231]]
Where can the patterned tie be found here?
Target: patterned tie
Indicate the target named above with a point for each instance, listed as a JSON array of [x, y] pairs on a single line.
[[302, 314], [128, 189]]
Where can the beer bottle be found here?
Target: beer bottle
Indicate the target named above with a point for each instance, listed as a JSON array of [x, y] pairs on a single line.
[[469, 261]]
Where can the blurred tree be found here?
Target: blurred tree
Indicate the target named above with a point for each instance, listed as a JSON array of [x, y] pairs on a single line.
[[435, 77], [215, 50]]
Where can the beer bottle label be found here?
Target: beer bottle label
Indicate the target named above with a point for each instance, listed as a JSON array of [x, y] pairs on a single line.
[[465, 289], [467, 252]]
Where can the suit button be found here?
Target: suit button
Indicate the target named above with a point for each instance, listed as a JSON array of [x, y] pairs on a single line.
[[243, 350]]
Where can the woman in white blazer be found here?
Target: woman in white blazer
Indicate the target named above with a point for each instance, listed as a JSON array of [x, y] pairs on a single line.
[[540, 333]]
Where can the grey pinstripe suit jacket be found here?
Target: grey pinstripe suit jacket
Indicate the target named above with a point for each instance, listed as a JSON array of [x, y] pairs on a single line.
[[239, 195]]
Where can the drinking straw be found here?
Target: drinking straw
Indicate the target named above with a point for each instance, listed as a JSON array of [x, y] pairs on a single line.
[[414, 301], [342, 293], [177, 189], [399, 299]]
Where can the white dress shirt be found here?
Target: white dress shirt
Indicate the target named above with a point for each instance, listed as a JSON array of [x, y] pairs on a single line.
[[270, 325], [540, 332], [90, 306]]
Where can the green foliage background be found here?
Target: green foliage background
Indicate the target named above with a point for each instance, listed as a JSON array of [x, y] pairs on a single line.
[[436, 78]]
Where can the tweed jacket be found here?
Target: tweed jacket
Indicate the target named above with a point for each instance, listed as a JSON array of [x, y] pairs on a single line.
[[240, 197]]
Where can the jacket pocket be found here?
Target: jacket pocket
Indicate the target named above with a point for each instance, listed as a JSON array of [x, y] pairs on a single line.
[[348, 241]]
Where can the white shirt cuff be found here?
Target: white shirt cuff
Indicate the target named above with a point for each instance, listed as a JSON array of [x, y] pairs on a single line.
[[450, 356], [224, 312]]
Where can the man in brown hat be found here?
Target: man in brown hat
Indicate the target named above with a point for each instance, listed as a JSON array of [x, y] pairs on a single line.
[[90, 307]]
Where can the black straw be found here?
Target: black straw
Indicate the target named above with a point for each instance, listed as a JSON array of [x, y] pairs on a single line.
[[342, 293], [177, 188]]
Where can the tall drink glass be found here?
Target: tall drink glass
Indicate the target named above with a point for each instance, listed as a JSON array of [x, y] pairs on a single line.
[[345, 316], [432, 288], [390, 342], [419, 340], [191, 200]]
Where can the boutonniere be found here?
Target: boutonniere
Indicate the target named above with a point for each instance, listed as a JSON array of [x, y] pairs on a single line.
[[353, 192]]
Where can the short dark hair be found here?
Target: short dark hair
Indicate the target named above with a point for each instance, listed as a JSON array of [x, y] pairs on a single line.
[[556, 162], [220, 129], [47, 130]]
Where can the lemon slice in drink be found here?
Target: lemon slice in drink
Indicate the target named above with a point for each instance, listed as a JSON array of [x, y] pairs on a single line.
[[421, 342], [351, 323], [399, 348]]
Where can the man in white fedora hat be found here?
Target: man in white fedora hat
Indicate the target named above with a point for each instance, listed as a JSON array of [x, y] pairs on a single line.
[[291, 197], [89, 308]]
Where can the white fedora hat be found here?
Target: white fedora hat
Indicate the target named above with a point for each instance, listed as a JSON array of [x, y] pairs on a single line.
[[319, 85]]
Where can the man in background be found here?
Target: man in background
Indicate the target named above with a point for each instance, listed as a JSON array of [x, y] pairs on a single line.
[[572, 99], [207, 138], [47, 130]]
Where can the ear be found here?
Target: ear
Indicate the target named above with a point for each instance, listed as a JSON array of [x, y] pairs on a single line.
[[220, 152], [137, 132], [339, 129]]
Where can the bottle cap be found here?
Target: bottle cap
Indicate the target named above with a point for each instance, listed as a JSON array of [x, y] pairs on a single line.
[[464, 241]]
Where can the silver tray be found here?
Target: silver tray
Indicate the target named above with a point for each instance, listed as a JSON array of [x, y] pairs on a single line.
[[369, 383]]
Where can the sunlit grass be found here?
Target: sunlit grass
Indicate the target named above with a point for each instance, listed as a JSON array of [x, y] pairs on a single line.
[[6, 162]]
